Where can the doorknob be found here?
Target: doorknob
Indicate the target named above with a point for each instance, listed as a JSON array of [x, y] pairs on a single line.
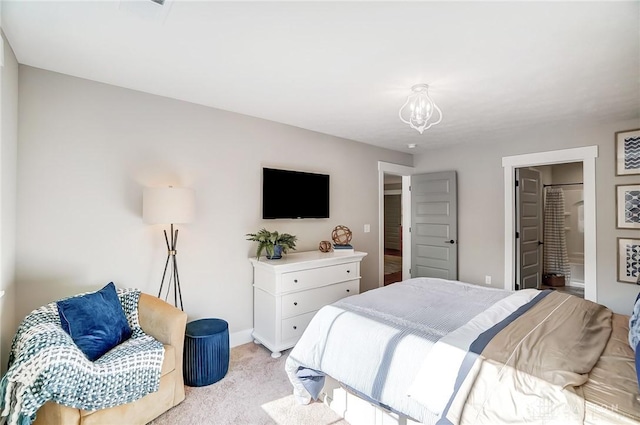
[[450, 241]]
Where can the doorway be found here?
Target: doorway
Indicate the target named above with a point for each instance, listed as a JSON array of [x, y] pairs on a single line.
[[404, 174], [550, 228], [585, 155], [392, 229]]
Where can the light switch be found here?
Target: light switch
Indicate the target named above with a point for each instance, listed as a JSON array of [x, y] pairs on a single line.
[[367, 228]]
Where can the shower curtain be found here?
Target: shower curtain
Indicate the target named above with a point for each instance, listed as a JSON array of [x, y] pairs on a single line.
[[556, 260]]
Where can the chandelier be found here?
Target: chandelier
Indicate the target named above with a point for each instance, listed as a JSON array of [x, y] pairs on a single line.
[[419, 109]]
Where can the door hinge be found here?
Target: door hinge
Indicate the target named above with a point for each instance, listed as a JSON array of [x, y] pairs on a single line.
[[409, 271], [517, 235], [517, 183], [409, 229], [409, 188]]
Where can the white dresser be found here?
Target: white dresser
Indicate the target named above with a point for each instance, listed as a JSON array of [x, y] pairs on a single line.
[[288, 292]]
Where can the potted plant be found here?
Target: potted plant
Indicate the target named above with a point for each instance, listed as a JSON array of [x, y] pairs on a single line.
[[275, 244]]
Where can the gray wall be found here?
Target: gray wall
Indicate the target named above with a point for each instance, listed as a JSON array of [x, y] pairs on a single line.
[[8, 161], [481, 199], [86, 151]]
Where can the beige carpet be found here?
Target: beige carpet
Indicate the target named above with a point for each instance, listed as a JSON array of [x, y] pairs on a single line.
[[255, 391]]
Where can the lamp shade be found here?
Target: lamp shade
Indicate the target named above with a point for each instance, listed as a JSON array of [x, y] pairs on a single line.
[[168, 205]]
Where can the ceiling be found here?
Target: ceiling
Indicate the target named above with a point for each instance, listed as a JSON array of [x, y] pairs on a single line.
[[345, 68]]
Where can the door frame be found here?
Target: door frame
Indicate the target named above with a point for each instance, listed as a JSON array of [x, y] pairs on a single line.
[[587, 155], [405, 172]]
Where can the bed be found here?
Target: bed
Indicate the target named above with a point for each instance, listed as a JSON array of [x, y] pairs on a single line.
[[436, 351]]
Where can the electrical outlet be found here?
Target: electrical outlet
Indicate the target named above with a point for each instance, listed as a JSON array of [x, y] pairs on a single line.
[[487, 280], [367, 228]]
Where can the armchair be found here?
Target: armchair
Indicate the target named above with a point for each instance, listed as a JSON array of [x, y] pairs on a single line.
[[166, 324]]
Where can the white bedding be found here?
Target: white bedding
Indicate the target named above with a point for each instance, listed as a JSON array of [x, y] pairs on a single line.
[[380, 339], [445, 360], [453, 353]]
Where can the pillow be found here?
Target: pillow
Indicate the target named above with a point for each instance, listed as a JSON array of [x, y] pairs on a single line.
[[95, 321], [634, 325]]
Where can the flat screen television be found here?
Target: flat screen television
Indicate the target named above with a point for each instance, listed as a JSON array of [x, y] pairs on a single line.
[[294, 194]]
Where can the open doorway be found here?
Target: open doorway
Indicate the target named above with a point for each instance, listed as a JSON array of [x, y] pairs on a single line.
[[549, 228], [392, 228], [404, 174], [587, 156]]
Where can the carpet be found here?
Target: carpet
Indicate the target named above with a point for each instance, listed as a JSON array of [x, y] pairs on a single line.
[[255, 391], [392, 264]]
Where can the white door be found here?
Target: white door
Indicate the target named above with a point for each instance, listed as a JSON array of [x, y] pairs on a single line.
[[528, 229], [434, 230]]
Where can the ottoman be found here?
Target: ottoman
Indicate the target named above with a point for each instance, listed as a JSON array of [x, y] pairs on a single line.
[[206, 352]]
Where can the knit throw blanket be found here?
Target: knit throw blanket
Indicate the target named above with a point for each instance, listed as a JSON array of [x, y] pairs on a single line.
[[45, 364]]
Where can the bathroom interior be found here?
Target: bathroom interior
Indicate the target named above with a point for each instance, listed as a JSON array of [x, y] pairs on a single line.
[[569, 178]]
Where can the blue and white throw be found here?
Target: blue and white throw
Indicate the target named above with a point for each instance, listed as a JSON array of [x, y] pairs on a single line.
[[46, 365]]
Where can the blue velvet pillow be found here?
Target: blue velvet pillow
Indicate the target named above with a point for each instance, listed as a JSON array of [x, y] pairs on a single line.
[[95, 321]]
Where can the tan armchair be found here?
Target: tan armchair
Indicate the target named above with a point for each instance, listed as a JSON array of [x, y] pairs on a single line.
[[166, 324]]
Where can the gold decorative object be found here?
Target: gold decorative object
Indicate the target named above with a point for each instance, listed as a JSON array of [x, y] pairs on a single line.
[[325, 246], [341, 235]]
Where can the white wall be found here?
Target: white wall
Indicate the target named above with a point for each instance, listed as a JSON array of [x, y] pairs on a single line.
[[86, 150], [8, 162], [481, 199]]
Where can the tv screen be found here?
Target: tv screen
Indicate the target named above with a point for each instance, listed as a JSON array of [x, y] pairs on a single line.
[[294, 194]]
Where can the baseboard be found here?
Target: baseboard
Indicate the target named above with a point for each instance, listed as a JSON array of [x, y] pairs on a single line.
[[575, 284], [241, 337]]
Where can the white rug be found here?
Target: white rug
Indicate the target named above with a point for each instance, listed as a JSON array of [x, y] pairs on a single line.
[[256, 391]]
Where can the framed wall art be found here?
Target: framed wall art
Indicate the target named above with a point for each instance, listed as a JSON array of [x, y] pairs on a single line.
[[628, 206], [628, 260], [627, 152]]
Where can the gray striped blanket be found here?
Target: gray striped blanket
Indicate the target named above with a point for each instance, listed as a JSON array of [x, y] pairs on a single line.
[[46, 365]]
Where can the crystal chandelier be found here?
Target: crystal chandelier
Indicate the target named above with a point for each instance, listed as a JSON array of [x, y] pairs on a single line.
[[419, 108]]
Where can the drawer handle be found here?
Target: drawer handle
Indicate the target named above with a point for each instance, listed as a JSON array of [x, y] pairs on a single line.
[[295, 280], [295, 327], [348, 271], [348, 290], [295, 303]]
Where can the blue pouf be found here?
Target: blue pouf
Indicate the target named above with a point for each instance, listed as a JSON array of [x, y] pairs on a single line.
[[206, 352]]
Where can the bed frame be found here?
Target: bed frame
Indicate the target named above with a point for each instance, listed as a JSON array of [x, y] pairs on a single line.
[[356, 410]]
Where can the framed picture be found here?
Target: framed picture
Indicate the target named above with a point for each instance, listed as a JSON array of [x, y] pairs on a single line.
[[628, 206], [628, 260], [628, 152]]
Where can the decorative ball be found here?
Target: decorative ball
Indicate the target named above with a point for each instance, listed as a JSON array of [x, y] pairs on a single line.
[[341, 235], [325, 246]]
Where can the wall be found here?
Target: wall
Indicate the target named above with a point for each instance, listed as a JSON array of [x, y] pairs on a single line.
[[8, 162], [86, 151], [481, 199]]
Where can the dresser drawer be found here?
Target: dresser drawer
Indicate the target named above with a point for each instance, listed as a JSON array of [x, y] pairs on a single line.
[[313, 299], [319, 276], [293, 327]]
